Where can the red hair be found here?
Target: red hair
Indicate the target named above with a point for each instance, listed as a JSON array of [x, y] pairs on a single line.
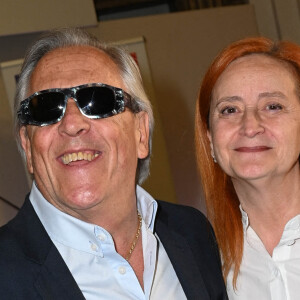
[[221, 199]]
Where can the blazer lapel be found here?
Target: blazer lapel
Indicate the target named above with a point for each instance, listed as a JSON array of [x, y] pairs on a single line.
[[183, 261], [53, 278]]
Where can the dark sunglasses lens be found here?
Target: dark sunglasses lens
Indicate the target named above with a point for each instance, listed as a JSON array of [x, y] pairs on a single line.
[[96, 101], [46, 107]]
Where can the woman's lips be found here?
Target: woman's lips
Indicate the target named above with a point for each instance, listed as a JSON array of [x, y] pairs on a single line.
[[252, 149]]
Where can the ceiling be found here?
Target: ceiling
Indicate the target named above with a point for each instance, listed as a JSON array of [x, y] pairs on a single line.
[[113, 9]]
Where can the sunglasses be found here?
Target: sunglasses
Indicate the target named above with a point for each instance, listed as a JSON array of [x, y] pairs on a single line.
[[94, 100]]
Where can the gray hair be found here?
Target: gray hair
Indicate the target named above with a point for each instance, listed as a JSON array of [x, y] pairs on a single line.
[[129, 70]]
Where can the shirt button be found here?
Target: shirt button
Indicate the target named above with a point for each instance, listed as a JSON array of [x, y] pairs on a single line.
[[122, 270], [101, 237], [291, 243], [94, 247]]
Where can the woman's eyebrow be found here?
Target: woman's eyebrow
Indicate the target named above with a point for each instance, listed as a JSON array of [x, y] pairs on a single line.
[[228, 99], [275, 94]]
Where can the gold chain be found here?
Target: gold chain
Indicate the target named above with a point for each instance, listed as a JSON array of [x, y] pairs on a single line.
[[133, 244]]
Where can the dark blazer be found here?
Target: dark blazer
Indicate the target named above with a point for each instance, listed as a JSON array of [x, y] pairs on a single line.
[[32, 268]]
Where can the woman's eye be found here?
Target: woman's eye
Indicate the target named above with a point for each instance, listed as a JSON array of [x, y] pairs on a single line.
[[274, 106], [228, 110]]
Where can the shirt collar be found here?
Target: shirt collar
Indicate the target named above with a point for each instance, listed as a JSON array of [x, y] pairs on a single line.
[[245, 219], [147, 206], [78, 234], [290, 233]]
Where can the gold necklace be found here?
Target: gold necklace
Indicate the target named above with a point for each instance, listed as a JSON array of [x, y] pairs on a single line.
[[136, 237]]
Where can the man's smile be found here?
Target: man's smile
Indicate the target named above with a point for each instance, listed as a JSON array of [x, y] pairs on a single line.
[[67, 158]]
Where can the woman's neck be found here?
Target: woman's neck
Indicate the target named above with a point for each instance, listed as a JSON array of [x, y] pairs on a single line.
[[270, 203]]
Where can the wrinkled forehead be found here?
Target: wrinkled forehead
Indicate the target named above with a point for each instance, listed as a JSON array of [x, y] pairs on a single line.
[[263, 67], [72, 66], [266, 61]]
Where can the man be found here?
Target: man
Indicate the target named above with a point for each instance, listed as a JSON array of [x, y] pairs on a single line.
[[87, 230]]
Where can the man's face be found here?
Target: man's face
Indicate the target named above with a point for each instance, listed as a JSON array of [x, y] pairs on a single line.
[[106, 150]]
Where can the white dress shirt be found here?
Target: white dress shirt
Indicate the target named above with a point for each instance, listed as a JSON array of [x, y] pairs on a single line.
[[263, 277], [100, 272]]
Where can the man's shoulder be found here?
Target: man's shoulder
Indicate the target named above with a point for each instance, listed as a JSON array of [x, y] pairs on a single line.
[[175, 211], [19, 270], [184, 229], [13, 260], [11, 238], [20, 232], [8, 234], [186, 221], [22, 249]]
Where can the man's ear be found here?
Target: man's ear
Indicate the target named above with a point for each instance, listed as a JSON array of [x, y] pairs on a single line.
[[142, 134], [26, 145]]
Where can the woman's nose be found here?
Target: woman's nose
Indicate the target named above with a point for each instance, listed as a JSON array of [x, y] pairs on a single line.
[[251, 123]]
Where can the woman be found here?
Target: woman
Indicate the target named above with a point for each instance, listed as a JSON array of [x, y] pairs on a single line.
[[248, 145]]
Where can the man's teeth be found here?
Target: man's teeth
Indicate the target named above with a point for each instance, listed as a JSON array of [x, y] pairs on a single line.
[[67, 158]]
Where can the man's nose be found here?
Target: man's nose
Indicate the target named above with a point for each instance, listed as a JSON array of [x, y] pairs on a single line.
[[74, 122], [251, 123]]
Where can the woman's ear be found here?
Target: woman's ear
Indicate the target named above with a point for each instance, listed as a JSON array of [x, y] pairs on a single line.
[[211, 145]]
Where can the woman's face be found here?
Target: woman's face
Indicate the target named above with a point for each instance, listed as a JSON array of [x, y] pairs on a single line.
[[255, 118]]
